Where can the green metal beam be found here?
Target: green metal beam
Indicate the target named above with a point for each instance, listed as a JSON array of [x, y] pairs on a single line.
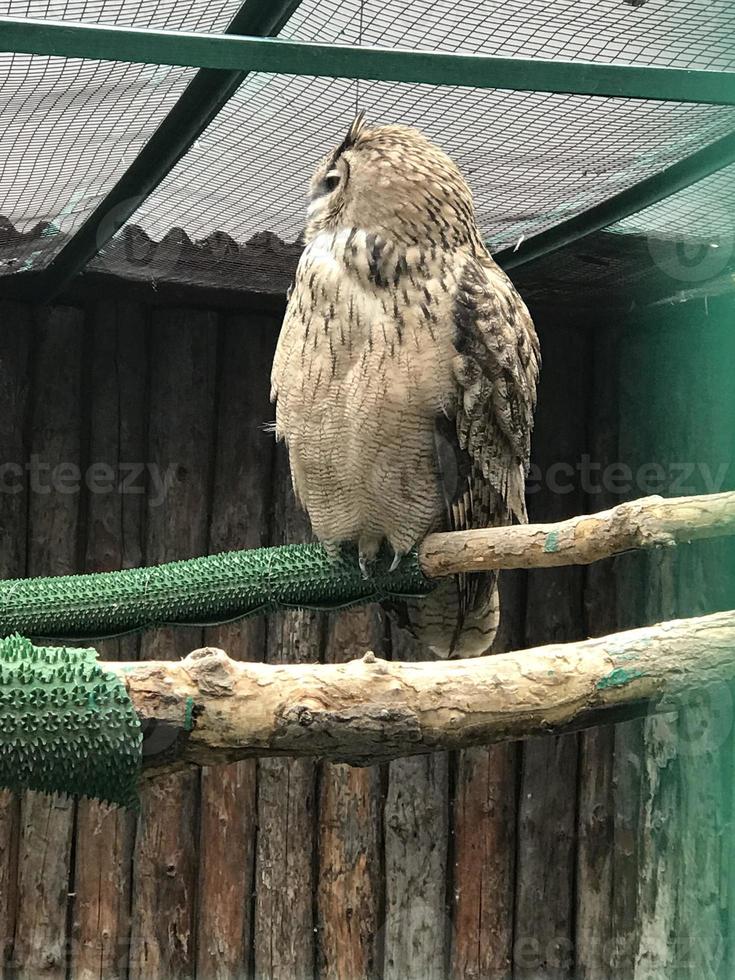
[[345, 61], [200, 102], [646, 192]]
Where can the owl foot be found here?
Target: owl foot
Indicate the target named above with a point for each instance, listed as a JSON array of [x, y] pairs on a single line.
[[368, 546]]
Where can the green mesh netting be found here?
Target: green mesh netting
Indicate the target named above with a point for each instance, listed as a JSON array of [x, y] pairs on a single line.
[[66, 725], [198, 591]]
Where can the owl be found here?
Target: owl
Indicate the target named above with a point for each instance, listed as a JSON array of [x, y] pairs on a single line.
[[405, 372]]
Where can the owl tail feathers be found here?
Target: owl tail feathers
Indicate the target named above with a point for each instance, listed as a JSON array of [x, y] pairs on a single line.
[[445, 623]]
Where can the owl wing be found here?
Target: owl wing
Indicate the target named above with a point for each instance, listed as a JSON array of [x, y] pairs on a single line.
[[483, 451], [496, 371]]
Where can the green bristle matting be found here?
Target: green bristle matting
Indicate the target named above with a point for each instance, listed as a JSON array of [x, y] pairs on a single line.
[[66, 725], [199, 591]]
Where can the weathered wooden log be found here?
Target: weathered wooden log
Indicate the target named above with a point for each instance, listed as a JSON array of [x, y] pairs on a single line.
[[646, 523], [284, 937], [166, 859], [208, 708], [15, 349], [240, 511], [46, 824], [104, 836]]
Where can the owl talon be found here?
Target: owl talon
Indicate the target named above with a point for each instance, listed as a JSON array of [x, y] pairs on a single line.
[[397, 556]]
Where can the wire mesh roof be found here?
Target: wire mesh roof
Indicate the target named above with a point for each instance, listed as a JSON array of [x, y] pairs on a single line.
[[703, 212], [70, 128]]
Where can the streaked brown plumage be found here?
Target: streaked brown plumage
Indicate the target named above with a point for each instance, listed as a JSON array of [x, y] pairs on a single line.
[[405, 373]]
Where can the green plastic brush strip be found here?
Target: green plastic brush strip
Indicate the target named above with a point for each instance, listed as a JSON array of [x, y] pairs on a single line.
[[66, 725], [199, 591]]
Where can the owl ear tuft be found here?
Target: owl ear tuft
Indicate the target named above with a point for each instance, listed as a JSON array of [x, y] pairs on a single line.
[[357, 127]]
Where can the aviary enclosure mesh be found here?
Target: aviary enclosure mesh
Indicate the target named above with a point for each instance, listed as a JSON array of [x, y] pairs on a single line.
[[70, 127]]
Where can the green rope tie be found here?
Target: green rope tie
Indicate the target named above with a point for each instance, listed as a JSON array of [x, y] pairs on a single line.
[[200, 592], [66, 725]]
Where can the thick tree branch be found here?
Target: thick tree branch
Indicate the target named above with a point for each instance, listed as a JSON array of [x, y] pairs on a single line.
[[208, 708], [644, 523]]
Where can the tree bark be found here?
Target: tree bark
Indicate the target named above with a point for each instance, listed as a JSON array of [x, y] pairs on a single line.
[[485, 832], [416, 842], [543, 924], [44, 848], [183, 348], [284, 939], [595, 818], [100, 924], [349, 894], [243, 458], [646, 523], [15, 347], [368, 710]]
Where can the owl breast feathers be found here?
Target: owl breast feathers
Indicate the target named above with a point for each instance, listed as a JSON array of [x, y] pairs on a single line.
[[406, 369]]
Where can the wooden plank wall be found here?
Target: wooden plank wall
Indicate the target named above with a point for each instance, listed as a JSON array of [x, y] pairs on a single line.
[[577, 857]]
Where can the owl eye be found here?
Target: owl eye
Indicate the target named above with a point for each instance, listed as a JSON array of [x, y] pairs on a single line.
[[331, 180]]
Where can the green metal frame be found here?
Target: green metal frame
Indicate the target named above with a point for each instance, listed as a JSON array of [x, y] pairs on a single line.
[[221, 51], [646, 192], [202, 99]]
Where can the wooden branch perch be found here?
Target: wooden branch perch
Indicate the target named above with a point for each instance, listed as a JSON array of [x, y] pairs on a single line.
[[223, 587], [645, 523], [208, 708]]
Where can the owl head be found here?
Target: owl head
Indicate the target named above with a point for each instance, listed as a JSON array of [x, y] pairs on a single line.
[[392, 181]]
